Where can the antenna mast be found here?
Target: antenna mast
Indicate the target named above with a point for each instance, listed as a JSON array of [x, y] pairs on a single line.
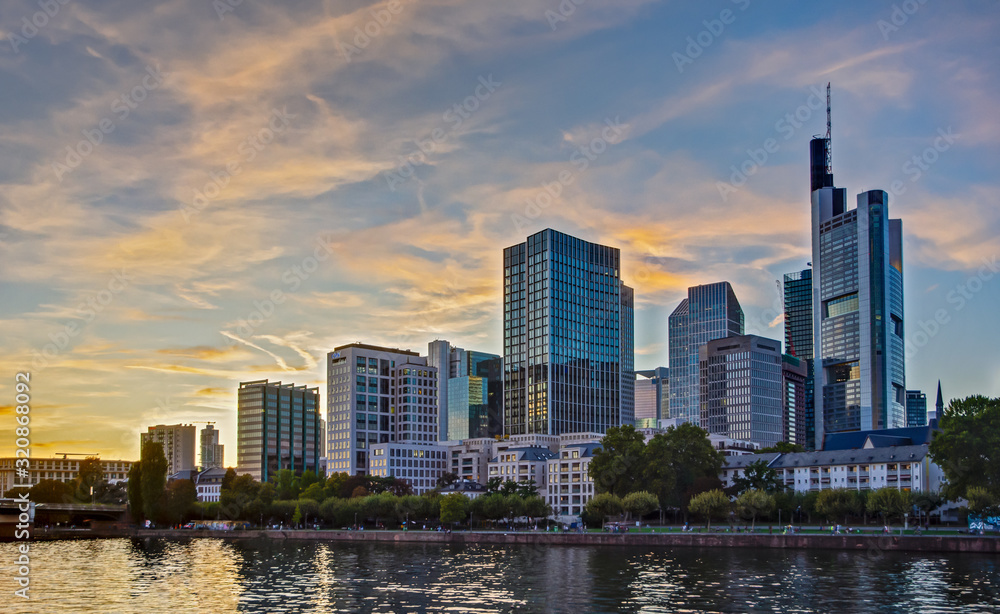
[[829, 142]]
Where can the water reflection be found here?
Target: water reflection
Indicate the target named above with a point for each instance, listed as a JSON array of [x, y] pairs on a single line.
[[204, 575]]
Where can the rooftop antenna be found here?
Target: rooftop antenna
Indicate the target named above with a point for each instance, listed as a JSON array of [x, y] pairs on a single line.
[[829, 142]]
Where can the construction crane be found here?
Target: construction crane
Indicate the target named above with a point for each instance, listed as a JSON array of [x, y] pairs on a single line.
[[65, 454]]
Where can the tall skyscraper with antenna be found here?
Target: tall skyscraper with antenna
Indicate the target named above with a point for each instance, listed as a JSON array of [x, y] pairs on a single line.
[[857, 304]]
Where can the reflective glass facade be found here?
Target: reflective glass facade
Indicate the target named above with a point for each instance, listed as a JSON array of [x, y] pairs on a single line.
[[859, 367], [568, 337], [467, 409], [709, 312], [278, 427], [799, 343], [916, 408], [741, 394]]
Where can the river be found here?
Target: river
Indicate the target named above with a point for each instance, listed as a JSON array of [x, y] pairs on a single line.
[[210, 575]]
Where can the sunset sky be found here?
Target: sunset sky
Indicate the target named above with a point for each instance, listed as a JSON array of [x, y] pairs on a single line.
[[169, 169]]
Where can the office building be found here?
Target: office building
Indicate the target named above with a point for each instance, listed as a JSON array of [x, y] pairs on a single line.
[[652, 396], [420, 465], [857, 306], [741, 389], [61, 469], [178, 444], [211, 450], [568, 337], [916, 408], [467, 410], [709, 312], [799, 343], [452, 362], [794, 388], [377, 395], [278, 427]]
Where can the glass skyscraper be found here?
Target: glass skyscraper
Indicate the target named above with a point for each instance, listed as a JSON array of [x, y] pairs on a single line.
[[916, 408], [568, 337], [799, 343], [857, 307], [278, 427], [709, 312]]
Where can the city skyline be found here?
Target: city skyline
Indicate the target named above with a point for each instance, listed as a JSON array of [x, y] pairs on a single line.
[[396, 170]]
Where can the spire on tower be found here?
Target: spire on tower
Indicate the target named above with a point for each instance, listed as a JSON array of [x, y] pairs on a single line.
[[829, 126], [940, 402]]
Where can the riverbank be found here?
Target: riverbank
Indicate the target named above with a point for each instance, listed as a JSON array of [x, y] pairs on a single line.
[[853, 542]]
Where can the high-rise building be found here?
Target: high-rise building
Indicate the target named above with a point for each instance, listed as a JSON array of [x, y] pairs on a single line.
[[741, 393], [794, 387], [278, 427], [916, 408], [467, 415], [709, 312], [178, 445], [799, 343], [652, 396], [377, 395], [568, 337], [211, 450], [857, 306], [452, 362]]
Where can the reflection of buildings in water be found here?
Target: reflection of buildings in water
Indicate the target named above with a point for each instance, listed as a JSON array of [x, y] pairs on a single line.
[[569, 576]]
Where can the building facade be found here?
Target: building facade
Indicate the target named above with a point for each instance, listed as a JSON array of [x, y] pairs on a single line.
[[799, 343], [178, 445], [377, 395], [212, 452], [568, 337], [857, 306], [278, 427], [652, 396], [794, 389], [420, 465], [62, 469], [569, 486], [452, 362], [916, 408], [709, 312], [741, 389], [467, 410]]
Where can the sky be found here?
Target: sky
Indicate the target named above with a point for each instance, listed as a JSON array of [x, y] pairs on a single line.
[[195, 194]]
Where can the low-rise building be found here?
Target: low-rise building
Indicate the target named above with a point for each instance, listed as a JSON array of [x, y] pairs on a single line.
[[62, 469], [528, 464], [420, 465], [569, 485]]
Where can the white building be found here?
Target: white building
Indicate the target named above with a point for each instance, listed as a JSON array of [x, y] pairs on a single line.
[[377, 395], [420, 465], [61, 469], [528, 464], [901, 467], [209, 484], [569, 485]]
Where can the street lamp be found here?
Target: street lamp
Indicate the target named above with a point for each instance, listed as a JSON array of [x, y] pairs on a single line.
[[798, 512]]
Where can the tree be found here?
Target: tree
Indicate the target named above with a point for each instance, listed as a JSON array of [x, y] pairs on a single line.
[[154, 477], [639, 504], [927, 501], [494, 485], [492, 506], [617, 465], [135, 506], [297, 515], [513, 506], [287, 484], [90, 474], [967, 448], [710, 504], [315, 491], [527, 489], [536, 507], [447, 479], [178, 500], [604, 505], [380, 506], [335, 485], [454, 508], [836, 503], [308, 478], [685, 453], [754, 503], [756, 476], [982, 502], [889, 503], [50, 491], [228, 479]]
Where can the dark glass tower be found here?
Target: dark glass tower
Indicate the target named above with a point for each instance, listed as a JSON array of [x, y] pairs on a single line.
[[568, 337], [709, 312], [799, 343], [857, 307]]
